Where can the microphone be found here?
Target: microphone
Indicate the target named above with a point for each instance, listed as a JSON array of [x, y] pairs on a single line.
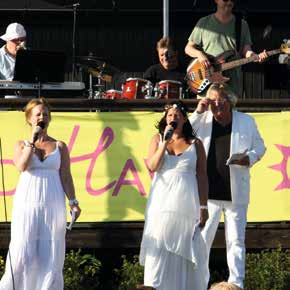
[[166, 54], [267, 31], [40, 126], [169, 133], [22, 45]]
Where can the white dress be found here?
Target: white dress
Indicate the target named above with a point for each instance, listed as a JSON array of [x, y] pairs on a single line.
[[172, 249], [37, 246]]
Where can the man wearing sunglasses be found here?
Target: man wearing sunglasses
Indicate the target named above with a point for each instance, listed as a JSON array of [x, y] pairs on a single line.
[[15, 38], [216, 33], [224, 133]]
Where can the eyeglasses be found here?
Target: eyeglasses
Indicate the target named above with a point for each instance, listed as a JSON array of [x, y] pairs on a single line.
[[216, 103], [229, 0]]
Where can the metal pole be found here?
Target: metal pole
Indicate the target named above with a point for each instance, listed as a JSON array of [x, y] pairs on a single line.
[[165, 18], [75, 6]]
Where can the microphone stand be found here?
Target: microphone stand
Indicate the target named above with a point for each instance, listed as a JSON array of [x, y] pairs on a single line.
[[5, 210], [75, 6]]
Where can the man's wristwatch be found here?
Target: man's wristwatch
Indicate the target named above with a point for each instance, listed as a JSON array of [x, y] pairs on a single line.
[[72, 202]]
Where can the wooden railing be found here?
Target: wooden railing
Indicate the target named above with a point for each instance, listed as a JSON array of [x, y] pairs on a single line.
[[83, 104]]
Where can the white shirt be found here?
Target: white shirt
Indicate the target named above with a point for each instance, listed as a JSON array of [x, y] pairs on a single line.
[[7, 65]]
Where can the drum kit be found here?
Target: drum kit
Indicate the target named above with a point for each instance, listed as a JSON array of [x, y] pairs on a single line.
[[132, 88]]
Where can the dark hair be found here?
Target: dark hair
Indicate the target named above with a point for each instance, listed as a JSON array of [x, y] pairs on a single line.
[[187, 129]]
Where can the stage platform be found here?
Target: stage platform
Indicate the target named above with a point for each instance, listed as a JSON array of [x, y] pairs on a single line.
[[127, 235]]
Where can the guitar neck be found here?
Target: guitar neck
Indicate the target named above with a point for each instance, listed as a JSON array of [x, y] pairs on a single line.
[[239, 62]]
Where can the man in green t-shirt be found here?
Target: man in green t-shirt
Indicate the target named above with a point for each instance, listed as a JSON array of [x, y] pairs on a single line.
[[215, 34]]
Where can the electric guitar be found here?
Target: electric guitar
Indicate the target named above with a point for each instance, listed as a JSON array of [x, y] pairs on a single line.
[[199, 78]]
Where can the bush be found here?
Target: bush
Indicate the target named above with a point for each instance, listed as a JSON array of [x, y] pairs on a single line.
[[81, 271], [130, 274], [268, 270], [2, 266]]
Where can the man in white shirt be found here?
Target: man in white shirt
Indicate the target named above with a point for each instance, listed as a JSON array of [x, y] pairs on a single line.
[[15, 38], [224, 133]]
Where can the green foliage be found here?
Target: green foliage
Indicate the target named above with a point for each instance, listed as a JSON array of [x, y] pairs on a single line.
[[81, 271], [2, 266], [130, 274], [268, 270]]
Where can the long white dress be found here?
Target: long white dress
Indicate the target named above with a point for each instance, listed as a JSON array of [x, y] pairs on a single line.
[[172, 249], [37, 246]]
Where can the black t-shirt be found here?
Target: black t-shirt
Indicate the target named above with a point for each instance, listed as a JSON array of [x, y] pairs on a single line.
[[157, 73], [217, 170]]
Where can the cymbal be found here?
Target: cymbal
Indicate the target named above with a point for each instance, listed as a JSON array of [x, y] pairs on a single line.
[[97, 64], [89, 57], [97, 74]]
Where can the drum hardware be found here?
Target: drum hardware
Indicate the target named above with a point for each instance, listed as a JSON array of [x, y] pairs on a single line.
[[98, 68], [99, 91], [148, 88]]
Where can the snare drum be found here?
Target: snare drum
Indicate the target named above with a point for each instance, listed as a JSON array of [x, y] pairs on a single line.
[[169, 90], [112, 94], [136, 88]]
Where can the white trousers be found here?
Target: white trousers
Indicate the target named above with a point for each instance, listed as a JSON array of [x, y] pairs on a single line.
[[235, 218]]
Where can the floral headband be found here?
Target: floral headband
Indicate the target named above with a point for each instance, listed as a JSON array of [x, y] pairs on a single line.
[[175, 106]]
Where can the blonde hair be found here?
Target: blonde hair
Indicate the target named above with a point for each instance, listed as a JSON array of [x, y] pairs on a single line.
[[32, 104], [225, 91], [166, 42], [224, 286]]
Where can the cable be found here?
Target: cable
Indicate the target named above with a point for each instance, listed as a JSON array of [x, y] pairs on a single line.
[[5, 208]]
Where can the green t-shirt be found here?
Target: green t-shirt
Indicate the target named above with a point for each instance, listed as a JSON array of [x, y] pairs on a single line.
[[214, 38]]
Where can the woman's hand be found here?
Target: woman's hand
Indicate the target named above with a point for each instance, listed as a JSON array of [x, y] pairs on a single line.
[[77, 210], [203, 217]]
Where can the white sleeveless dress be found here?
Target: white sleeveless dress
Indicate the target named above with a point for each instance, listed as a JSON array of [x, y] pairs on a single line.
[[172, 249], [37, 246]]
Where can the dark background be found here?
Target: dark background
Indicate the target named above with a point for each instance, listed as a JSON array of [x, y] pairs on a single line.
[[124, 32]]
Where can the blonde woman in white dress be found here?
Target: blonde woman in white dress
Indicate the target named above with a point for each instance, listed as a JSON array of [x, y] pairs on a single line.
[[37, 247], [172, 249]]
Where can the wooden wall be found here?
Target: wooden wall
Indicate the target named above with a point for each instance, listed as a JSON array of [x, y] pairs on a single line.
[[125, 34]]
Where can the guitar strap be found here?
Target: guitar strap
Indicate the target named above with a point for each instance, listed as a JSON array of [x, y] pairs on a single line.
[[238, 28]]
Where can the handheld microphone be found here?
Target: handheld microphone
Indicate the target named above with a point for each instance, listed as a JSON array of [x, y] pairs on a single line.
[[40, 126], [22, 45], [169, 133], [166, 54]]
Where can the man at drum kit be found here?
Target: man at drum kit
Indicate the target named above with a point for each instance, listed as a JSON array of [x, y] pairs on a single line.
[[215, 34], [15, 38], [168, 74]]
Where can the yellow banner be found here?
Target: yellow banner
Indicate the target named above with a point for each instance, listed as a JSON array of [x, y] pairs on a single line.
[[108, 160]]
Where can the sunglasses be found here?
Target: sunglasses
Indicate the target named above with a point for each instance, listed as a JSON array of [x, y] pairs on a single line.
[[229, 0]]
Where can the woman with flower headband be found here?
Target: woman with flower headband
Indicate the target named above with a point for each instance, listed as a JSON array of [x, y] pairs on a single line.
[[172, 248]]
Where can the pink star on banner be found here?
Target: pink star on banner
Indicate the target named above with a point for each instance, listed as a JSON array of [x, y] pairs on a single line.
[[282, 167]]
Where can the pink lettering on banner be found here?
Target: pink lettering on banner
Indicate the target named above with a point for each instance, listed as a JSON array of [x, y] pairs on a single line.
[[105, 141], [11, 191], [151, 174], [122, 181]]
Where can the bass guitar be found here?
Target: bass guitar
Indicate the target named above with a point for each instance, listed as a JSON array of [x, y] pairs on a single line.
[[199, 78]]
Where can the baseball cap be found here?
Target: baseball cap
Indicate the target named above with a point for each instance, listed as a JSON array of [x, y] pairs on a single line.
[[13, 31]]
